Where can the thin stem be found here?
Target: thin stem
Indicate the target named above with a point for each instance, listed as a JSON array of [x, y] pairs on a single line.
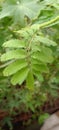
[[49, 22], [45, 24]]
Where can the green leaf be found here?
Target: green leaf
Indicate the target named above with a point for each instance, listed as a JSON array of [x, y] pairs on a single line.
[[14, 67], [41, 68], [46, 41], [19, 9], [14, 43], [44, 56], [36, 47], [13, 54], [30, 81], [39, 76], [20, 76]]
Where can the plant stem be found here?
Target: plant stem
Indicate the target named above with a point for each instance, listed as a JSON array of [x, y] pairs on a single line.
[[49, 22]]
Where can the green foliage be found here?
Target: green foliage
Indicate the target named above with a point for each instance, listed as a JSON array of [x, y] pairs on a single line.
[[20, 10], [28, 54], [29, 32], [7, 121], [31, 50], [42, 118]]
